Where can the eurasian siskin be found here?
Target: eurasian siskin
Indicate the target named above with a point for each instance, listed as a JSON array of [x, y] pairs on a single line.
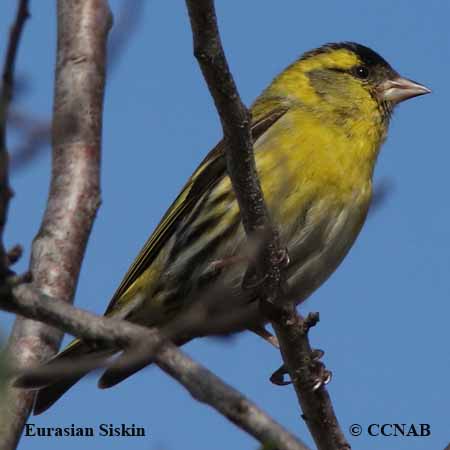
[[317, 132]]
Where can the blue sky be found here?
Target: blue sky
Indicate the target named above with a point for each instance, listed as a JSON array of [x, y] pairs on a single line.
[[384, 313]]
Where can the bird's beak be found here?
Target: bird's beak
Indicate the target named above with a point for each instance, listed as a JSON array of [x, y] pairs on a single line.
[[399, 89]]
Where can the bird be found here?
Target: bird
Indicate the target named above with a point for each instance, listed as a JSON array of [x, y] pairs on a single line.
[[317, 131]]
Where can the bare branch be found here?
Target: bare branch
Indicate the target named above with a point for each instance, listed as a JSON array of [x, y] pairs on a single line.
[[10, 428], [74, 197], [7, 90], [318, 412], [235, 120], [6, 94], [209, 389], [199, 381]]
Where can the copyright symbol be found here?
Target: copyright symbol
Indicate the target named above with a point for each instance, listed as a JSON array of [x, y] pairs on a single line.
[[355, 429]]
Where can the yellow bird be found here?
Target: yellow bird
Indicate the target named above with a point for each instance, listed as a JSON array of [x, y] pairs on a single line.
[[317, 131]]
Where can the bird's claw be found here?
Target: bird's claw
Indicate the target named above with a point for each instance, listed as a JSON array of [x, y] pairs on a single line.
[[322, 380], [277, 377], [321, 375]]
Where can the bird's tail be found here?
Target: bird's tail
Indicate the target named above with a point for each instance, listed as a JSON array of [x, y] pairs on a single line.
[[52, 387]]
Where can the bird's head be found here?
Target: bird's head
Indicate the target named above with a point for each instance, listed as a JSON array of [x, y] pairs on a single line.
[[344, 79]]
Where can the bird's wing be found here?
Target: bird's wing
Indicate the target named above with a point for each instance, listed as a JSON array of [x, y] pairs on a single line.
[[209, 172]]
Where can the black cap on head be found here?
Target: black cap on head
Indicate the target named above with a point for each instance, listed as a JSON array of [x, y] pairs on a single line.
[[367, 56]]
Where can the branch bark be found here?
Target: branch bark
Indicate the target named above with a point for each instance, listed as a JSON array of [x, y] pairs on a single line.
[[236, 121], [199, 381], [74, 195]]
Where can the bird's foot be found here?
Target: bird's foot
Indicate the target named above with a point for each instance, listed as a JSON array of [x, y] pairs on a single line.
[[320, 375]]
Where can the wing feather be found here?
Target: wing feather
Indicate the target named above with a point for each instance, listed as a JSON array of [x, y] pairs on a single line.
[[209, 172]]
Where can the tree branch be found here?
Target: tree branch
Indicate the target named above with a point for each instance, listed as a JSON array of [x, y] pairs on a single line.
[[236, 121], [6, 95], [199, 381], [318, 412], [10, 430], [74, 196]]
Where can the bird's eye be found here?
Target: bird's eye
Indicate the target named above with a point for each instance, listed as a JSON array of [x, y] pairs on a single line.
[[361, 72]]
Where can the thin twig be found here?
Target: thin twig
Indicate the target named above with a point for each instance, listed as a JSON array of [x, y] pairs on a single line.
[[7, 89], [10, 427], [199, 381], [6, 95]]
